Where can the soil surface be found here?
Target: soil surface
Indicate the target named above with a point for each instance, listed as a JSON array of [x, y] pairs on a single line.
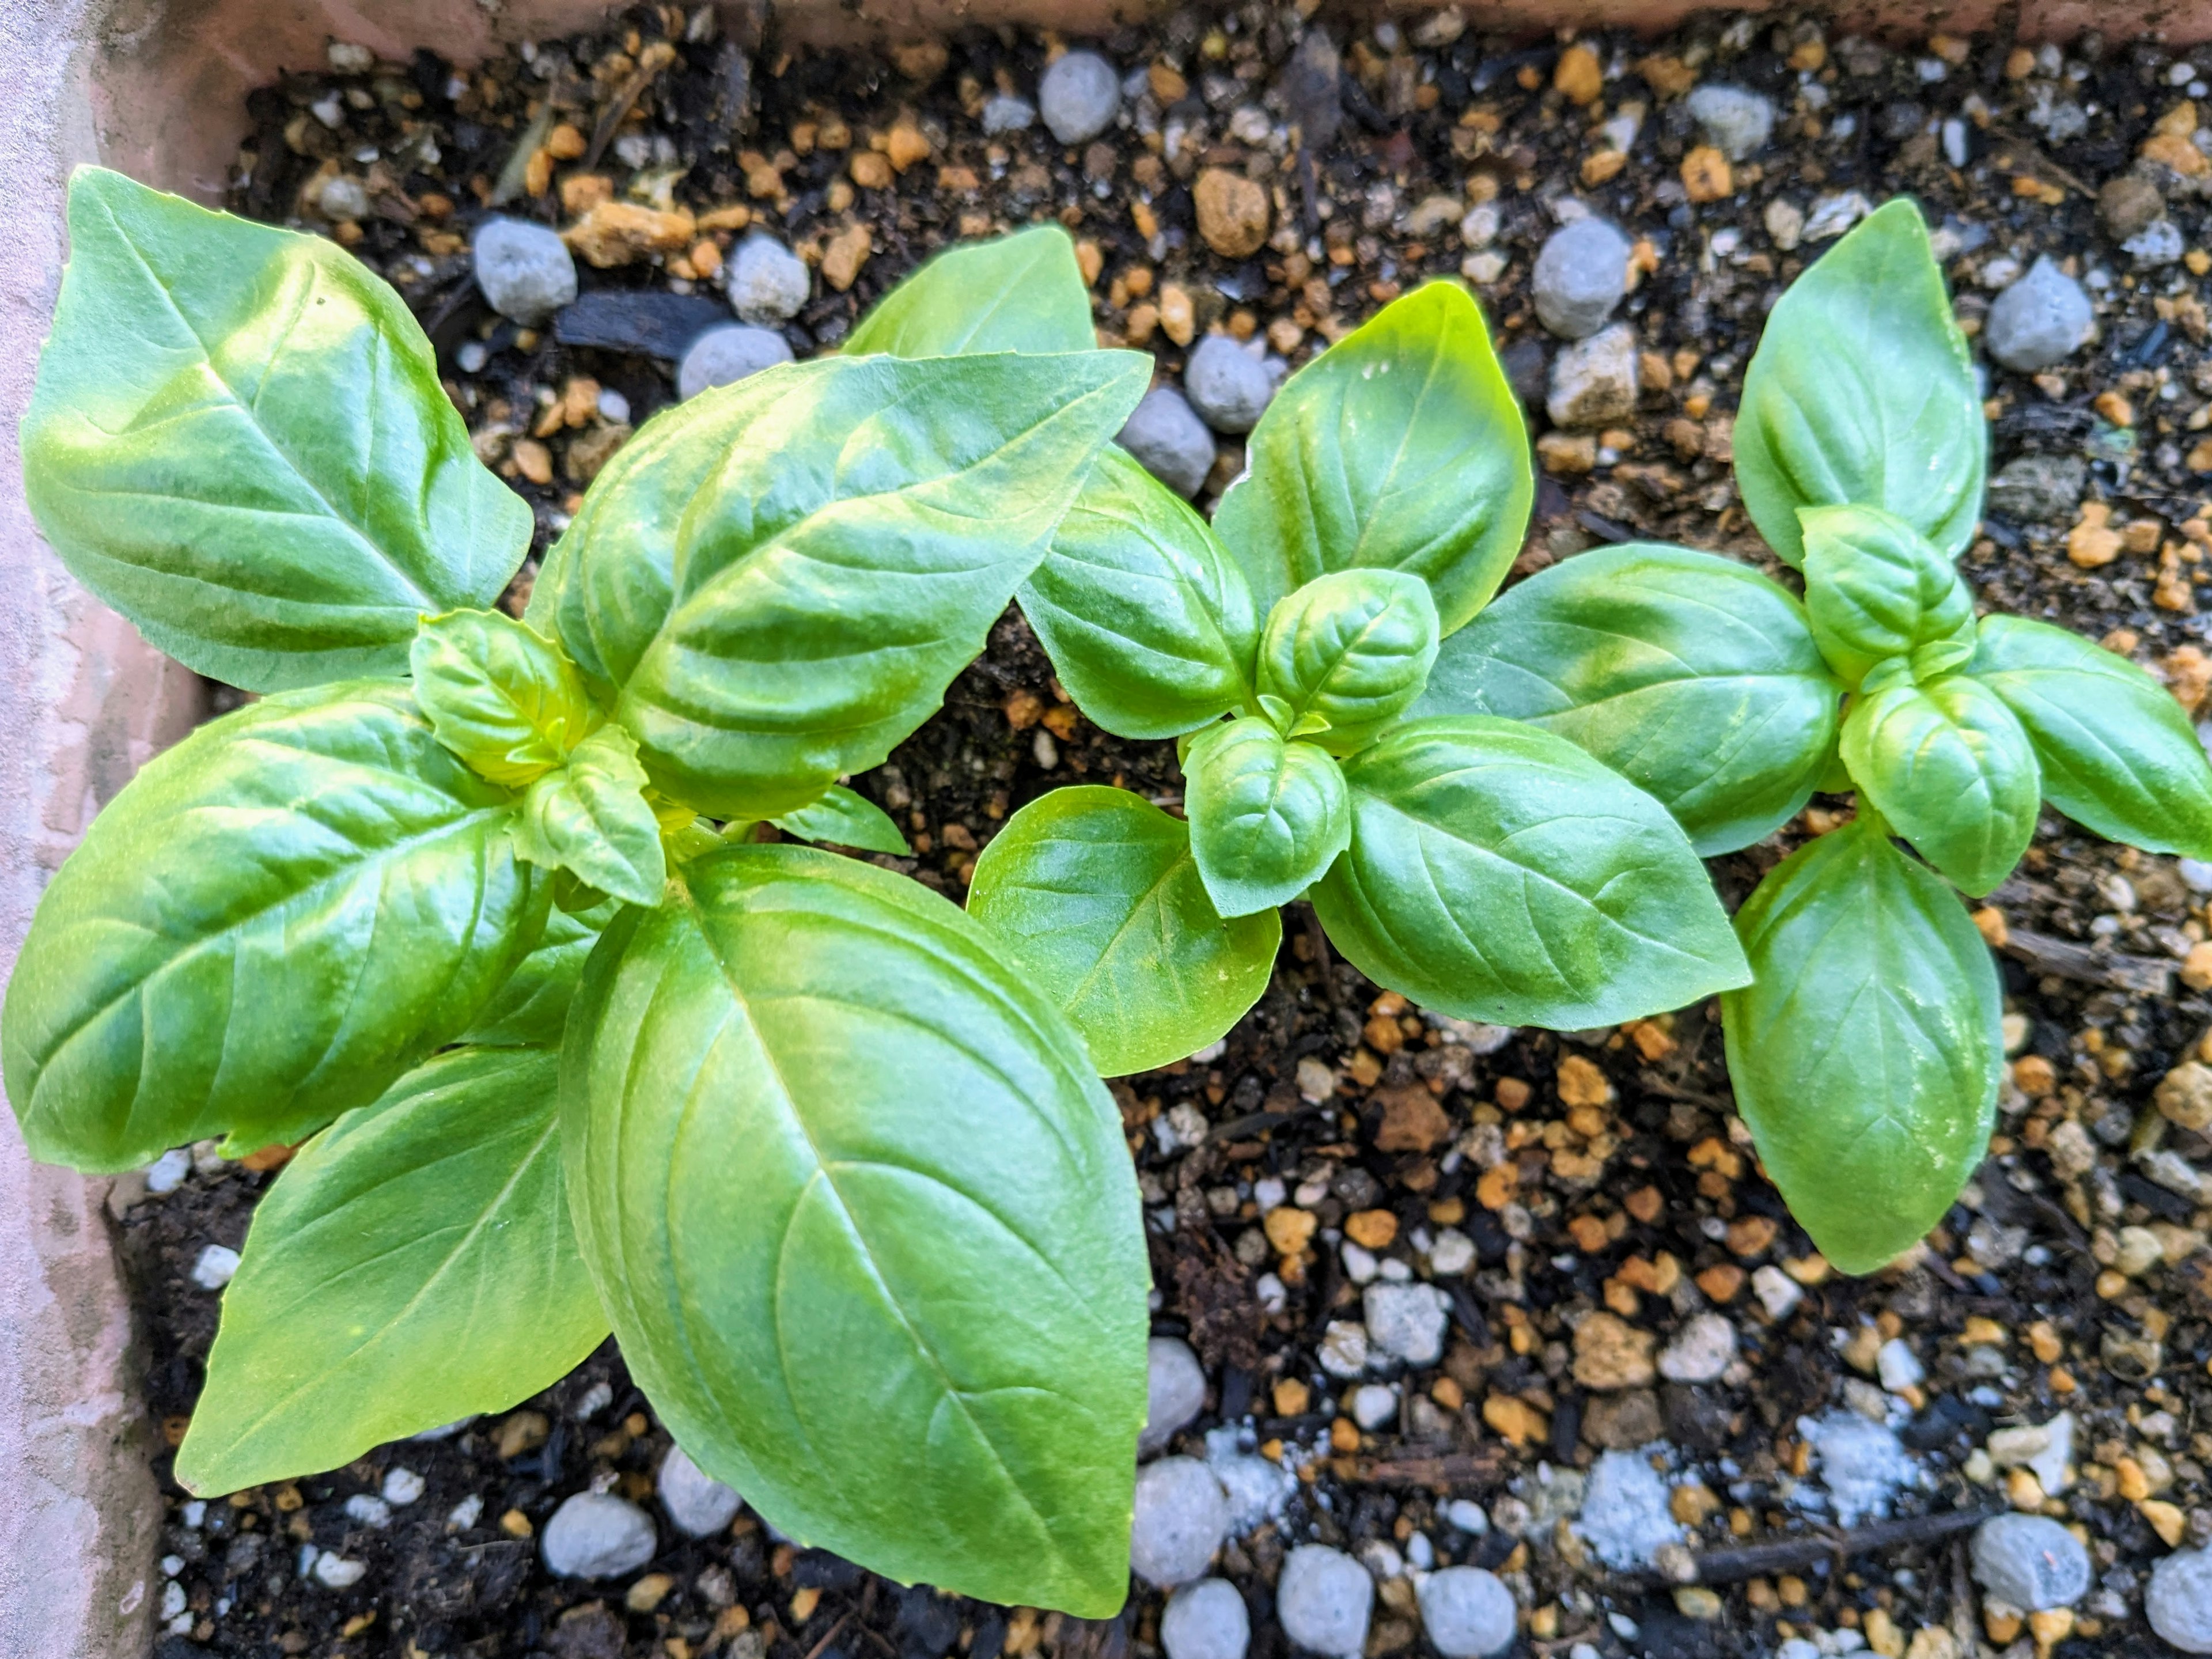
[[1609, 1194]]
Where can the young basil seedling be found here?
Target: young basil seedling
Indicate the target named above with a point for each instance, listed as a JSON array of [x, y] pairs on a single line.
[[1488, 869], [1866, 1055], [366, 911]]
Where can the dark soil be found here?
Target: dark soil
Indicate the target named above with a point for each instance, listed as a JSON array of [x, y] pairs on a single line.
[[1636, 1195]]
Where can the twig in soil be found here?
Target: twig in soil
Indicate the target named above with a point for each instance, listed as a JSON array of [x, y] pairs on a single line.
[[1324, 959], [1729, 1566], [1441, 1472], [650, 62], [2143, 975], [832, 1633]]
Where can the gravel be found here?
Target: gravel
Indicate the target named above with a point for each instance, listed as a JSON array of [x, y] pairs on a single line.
[[595, 1534], [1705, 1348], [1323, 1599], [216, 1267], [2031, 1562], [1170, 440], [766, 283], [699, 1504], [2039, 488], [2040, 320], [525, 270], [1205, 1620], [1007, 113], [1079, 96], [1581, 275], [2179, 1601], [1594, 380], [1181, 1518], [1174, 1392], [1624, 1515], [1467, 1613], [727, 354], [1407, 1323], [1734, 120], [1227, 385], [1862, 1464]]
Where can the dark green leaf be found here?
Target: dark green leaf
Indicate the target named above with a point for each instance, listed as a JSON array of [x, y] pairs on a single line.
[[2115, 750], [845, 819], [1876, 589], [1018, 293], [1348, 651], [239, 441], [499, 694], [1499, 873], [1692, 676], [591, 818], [1400, 447], [413, 1265], [1146, 618], [1862, 391], [1096, 896], [530, 1009], [1865, 1054], [864, 1222], [272, 921], [1267, 816], [1952, 770]]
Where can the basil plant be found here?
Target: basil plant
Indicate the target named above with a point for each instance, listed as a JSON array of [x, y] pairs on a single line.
[[1485, 868], [1866, 1054], [473, 908]]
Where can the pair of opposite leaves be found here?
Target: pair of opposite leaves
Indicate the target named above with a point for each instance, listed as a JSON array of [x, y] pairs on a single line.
[[280, 919]]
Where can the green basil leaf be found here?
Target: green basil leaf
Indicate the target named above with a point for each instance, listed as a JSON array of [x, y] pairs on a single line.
[[919, 1339], [1690, 675], [1018, 293], [1863, 390], [592, 820], [1352, 650], [239, 441], [2115, 750], [1865, 1054], [1952, 770], [413, 1265], [530, 1009], [1499, 873], [1147, 620], [1876, 588], [1098, 897], [500, 695], [1400, 447], [868, 522], [1267, 816], [845, 819], [271, 922]]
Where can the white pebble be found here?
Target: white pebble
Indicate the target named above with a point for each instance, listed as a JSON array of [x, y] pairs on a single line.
[[726, 354], [1182, 1515], [1467, 1515], [1625, 1515], [334, 1571], [1898, 1366], [614, 409], [167, 1173], [1323, 1599], [1581, 274], [2030, 1562], [1079, 96], [1374, 1404], [402, 1487], [1205, 1620], [1007, 113], [595, 1534], [1407, 1321], [1703, 1350], [1467, 1613], [525, 269], [699, 1504], [1174, 1392], [1777, 1291], [217, 1265], [766, 283], [465, 1513], [2179, 1603], [2040, 320], [369, 1511], [1734, 120]]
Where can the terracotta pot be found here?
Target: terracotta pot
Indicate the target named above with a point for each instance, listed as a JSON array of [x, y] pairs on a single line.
[[156, 88]]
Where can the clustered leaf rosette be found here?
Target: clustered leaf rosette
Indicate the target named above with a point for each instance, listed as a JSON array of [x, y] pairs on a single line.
[[1866, 1055], [1483, 867], [472, 907]]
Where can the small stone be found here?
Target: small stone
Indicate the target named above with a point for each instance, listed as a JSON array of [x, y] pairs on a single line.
[[525, 270], [167, 1172], [1323, 1599], [1624, 1421], [1170, 441], [1465, 1515], [1594, 380], [370, 1511], [1581, 275], [1705, 1348], [1182, 1517], [1206, 1620], [766, 283], [2184, 1096], [1174, 1392], [335, 1572], [1785, 223], [1611, 1353], [2158, 243], [613, 234], [2179, 1603], [699, 1504], [346, 57], [1863, 1464], [1468, 1613], [1007, 113], [402, 1487], [1079, 96], [1452, 1255], [1413, 1121], [2129, 205], [1227, 385], [595, 1534], [2040, 320], [1736, 121], [2039, 488], [215, 1266], [1374, 1404], [724, 355], [1898, 1366], [844, 255], [1232, 212], [1833, 215], [1407, 1321], [342, 196], [1777, 1293], [2031, 1562], [1626, 1515]]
